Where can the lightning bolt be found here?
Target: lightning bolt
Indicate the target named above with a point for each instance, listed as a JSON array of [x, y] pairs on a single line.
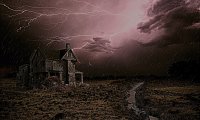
[[34, 15], [64, 39], [62, 12]]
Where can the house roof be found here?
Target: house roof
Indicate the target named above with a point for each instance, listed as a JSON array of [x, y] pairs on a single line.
[[55, 54], [37, 51], [69, 55]]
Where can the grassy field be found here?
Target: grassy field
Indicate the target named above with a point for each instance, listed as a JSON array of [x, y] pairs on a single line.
[[101, 100], [172, 100]]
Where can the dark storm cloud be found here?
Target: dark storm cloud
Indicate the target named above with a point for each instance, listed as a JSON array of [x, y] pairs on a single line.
[[194, 26], [163, 6], [98, 45], [151, 24], [178, 19]]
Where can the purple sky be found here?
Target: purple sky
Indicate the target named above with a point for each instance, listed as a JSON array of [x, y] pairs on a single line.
[[132, 36]]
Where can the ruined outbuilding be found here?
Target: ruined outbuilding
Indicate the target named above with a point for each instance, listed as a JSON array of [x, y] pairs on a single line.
[[60, 64]]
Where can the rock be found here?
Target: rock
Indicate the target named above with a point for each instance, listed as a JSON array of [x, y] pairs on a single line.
[[59, 116]]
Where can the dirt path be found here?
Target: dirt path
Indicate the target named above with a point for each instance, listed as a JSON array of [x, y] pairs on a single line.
[[132, 103], [131, 98]]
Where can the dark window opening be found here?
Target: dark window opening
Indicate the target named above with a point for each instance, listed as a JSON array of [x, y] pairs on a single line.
[[55, 74]]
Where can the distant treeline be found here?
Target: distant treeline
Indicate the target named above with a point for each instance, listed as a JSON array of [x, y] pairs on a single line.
[[185, 70], [113, 77]]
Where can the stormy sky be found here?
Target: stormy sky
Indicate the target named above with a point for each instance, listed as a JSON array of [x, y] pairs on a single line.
[[109, 37]]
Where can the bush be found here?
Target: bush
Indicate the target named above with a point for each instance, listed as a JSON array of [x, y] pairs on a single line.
[[54, 83]]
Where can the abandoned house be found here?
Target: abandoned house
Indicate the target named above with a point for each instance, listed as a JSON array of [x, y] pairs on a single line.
[[60, 64]]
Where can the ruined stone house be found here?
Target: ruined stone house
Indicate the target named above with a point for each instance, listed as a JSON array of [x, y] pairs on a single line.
[[60, 64]]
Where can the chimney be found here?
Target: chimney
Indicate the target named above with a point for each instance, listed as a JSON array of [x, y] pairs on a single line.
[[67, 46], [62, 52]]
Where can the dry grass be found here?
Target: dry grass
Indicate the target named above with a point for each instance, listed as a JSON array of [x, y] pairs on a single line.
[[173, 99], [101, 100], [180, 90]]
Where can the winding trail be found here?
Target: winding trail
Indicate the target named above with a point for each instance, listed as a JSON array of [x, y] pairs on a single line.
[[131, 99], [132, 102]]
